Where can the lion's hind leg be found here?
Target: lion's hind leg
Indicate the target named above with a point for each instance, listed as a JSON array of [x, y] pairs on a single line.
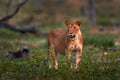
[[52, 57]]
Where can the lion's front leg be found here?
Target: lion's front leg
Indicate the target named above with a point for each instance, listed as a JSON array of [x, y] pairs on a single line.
[[68, 58], [78, 58]]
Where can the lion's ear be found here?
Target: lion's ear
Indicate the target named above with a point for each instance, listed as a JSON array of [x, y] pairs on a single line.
[[67, 23], [78, 23]]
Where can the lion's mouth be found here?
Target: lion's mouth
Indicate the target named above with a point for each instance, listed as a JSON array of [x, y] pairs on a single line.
[[72, 36]]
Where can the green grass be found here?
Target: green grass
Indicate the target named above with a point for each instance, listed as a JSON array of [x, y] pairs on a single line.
[[104, 40], [94, 65]]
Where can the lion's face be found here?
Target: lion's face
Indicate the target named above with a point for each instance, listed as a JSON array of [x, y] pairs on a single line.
[[73, 29]]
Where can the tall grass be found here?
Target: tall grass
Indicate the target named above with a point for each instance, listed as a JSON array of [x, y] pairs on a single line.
[[95, 65]]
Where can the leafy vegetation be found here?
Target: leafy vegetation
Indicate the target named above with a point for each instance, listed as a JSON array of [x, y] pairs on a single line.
[[95, 65]]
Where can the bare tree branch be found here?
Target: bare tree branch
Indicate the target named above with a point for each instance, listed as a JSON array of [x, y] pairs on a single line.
[[23, 30], [15, 12], [19, 29]]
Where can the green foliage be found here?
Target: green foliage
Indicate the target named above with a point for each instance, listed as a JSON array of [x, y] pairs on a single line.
[[104, 40], [95, 65]]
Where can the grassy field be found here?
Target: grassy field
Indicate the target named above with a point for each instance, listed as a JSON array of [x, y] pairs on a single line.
[[95, 65]]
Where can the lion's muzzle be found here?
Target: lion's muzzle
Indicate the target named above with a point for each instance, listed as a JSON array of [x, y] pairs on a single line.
[[72, 36]]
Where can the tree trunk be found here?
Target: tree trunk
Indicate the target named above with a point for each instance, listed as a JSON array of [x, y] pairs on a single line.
[[8, 7], [92, 13]]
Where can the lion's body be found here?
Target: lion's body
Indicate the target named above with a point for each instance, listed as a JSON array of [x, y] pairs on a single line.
[[60, 41], [55, 40]]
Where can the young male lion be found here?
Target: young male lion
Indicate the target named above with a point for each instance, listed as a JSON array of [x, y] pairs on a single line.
[[65, 41]]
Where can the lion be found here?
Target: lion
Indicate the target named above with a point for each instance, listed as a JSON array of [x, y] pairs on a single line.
[[65, 41]]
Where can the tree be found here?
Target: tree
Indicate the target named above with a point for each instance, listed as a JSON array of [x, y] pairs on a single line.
[[92, 13], [8, 7], [33, 30]]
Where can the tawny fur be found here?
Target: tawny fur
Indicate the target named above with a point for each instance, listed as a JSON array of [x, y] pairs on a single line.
[[65, 41]]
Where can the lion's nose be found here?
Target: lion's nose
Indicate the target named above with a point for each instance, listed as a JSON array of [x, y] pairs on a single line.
[[72, 36]]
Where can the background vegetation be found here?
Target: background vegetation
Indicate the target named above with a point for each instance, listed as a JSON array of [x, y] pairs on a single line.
[[49, 14]]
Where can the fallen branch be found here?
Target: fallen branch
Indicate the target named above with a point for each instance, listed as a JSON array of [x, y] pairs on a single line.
[[23, 30]]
